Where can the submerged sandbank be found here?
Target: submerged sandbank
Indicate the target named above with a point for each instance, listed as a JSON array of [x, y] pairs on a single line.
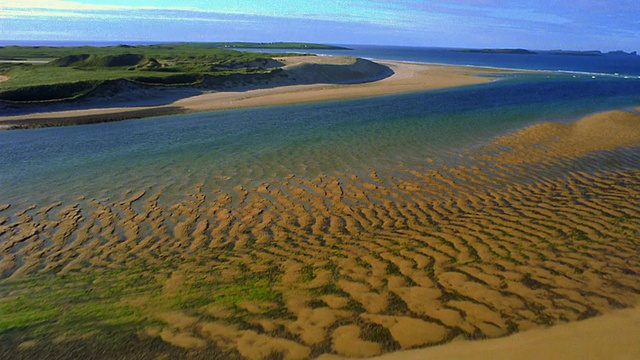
[[308, 79]]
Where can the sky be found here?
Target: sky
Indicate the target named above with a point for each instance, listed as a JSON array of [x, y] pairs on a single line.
[[533, 24]]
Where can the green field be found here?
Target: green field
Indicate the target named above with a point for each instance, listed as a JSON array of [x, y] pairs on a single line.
[[72, 72]]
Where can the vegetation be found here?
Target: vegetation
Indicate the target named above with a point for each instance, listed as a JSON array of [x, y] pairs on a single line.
[[72, 72]]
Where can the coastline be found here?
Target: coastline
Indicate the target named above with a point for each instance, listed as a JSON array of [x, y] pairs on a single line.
[[405, 77]]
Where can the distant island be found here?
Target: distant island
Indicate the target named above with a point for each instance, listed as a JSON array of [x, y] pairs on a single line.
[[590, 53], [547, 52]]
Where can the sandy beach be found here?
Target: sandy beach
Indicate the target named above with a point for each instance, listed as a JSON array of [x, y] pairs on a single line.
[[319, 79]]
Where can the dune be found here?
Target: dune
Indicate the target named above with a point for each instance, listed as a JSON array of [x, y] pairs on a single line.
[[302, 79]]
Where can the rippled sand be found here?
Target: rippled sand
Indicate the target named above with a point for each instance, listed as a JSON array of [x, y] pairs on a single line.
[[540, 228]]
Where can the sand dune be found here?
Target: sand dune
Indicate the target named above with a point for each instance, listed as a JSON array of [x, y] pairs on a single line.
[[360, 265]]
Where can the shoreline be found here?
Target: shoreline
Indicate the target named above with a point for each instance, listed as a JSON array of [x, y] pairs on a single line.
[[406, 77]]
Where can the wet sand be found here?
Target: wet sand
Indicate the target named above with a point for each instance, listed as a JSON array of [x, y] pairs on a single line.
[[361, 265], [318, 85]]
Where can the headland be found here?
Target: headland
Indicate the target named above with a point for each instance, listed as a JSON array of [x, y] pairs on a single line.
[[282, 81]]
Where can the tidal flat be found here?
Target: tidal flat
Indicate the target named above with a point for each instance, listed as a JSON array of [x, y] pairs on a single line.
[[523, 233]]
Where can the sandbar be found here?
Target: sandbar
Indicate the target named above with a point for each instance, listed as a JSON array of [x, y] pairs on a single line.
[[316, 86]]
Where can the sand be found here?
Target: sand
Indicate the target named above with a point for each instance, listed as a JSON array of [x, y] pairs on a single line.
[[503, 244], [612, 336], [310, 79], [407, 77]]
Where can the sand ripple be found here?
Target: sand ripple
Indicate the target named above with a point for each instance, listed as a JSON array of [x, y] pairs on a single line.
[[362, 265]]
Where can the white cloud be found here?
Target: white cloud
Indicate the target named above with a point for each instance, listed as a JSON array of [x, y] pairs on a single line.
[[75, 6]]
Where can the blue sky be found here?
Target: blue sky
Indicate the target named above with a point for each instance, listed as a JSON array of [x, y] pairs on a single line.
[[541, 24]]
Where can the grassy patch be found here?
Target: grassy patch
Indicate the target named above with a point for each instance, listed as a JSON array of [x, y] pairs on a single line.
[[73, 71]]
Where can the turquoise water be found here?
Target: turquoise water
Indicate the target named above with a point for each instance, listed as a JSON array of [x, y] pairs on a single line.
[[244, 147]]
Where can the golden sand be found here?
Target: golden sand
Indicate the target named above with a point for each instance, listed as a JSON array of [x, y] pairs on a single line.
[[612, 336], [407, 77], [365, 265]]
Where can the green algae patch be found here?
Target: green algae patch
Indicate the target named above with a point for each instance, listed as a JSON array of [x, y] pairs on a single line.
[[47, 305]]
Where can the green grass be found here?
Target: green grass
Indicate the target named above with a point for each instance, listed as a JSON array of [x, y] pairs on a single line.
[[75, 71]]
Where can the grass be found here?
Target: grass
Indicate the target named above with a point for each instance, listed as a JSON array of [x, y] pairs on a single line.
[[75, 71]]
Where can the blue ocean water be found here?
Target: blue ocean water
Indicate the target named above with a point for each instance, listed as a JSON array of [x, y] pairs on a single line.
[[615, 65], [246, 147]]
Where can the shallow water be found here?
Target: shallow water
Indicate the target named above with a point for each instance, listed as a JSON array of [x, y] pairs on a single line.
[[409, 131]]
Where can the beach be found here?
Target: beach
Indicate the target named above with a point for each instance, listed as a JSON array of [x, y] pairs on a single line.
[[319, 85]]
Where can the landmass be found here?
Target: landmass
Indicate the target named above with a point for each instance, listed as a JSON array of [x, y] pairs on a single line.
[[88, 85], [591, 53], [548, 52], [575, 53]]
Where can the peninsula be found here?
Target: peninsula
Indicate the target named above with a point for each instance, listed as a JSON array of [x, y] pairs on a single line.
[[87, 85]]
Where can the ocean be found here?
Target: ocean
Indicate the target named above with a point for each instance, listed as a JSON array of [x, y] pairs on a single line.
[[609, 65]]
